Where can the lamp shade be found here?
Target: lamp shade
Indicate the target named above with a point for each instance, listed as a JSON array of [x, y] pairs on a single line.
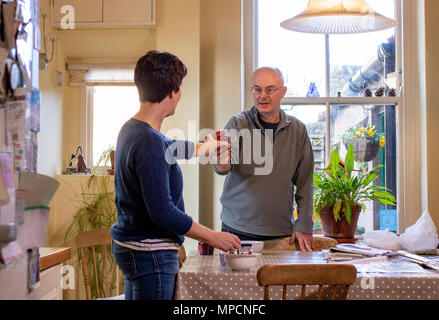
[[338, 17]]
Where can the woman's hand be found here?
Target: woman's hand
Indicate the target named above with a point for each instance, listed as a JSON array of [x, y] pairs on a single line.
[[211, 146], [224, 241]]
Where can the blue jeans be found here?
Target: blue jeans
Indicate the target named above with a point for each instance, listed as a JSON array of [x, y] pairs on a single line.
[[149, 275]]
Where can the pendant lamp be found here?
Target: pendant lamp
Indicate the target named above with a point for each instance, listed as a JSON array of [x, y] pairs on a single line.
[[338, 17]]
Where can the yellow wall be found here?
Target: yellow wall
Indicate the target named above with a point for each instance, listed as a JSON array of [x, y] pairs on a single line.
[[124, 44], [432, 102], [220, 89], [51, 109], [178, 31]]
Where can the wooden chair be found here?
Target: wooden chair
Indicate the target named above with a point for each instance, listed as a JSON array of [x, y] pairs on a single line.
[[283, 244], [181, 255], [332, 275], [98, 243]]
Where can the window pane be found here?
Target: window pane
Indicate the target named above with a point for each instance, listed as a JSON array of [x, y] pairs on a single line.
[[346, 123], [365, 59], [112, 107], [314, 118], [300, 56]]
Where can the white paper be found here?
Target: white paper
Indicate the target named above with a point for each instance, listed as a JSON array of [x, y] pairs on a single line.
[[390, 267], [382, 239], [4, 195], [3, 141], [11, 251], [35, 68], [7, 211], [362, 260], [33, 232], [359, 248], [16, 118], [421, 235]]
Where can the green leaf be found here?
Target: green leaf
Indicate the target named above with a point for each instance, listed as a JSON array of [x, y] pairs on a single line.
[[349, 160], [370, 177], [317, 180], [385, 201], [336, 210], [384, 194], [335, 159], [348, 211]]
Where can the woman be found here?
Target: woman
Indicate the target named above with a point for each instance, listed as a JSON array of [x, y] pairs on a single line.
[[151, 221]]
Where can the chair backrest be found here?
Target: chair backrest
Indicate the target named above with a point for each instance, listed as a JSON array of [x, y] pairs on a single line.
[[95, 252], [332, 275], [181, 255], [283, 244]]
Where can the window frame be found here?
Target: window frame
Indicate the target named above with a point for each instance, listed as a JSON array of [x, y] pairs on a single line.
[[409, 203], [86, 127]]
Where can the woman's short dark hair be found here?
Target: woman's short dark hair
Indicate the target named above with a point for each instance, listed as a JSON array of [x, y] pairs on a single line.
[[158, 74]]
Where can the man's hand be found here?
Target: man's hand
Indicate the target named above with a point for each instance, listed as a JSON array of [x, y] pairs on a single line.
[[306, 242], [211, 146]]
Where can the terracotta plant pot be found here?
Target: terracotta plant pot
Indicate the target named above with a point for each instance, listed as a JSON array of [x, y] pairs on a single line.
[[340, 228]]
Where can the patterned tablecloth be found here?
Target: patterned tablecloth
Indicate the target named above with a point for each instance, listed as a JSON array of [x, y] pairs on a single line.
[[204, 278]]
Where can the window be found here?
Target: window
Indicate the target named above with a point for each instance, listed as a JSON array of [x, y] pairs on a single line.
[[328, 78], [111, 107]]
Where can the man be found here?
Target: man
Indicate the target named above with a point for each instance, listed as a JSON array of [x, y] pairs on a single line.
[[259, 206]]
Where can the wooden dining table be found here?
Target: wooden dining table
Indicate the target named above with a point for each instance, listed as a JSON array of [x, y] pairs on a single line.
[[203, 277]]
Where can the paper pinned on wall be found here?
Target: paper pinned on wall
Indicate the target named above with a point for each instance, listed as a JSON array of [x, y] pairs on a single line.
[[4, 195], [33, 268], [33, 119], [33, 232], [16, 120], [3, 128], [10, 252], [18, 156], [35, 68], [7, 212]]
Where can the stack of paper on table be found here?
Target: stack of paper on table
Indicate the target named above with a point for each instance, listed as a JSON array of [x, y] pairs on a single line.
[[356, 254], [420, 260]]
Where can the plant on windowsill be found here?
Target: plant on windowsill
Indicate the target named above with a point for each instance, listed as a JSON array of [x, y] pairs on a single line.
[[96, 211], [341, 194], [365, 140]]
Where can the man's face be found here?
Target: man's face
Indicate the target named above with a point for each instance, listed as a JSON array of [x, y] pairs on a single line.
[[264, 80]]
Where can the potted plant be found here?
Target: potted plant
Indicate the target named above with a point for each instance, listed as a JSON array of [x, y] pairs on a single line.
[[365, 140], [96, 210], [341, 194]]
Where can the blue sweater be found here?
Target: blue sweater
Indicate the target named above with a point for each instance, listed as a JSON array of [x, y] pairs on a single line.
[[149, 185]]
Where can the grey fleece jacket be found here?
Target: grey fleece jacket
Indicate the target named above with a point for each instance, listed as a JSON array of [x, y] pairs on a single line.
[[259, 190]]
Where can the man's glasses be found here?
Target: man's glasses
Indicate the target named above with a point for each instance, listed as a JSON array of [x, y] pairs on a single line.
[[269, 90]]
